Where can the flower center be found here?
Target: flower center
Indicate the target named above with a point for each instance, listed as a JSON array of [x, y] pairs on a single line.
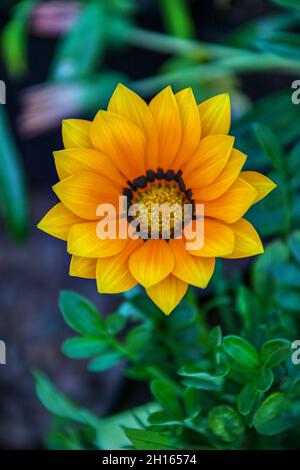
[[161, 203]]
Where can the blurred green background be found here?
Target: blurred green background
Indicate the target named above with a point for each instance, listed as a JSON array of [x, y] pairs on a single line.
[[63, 59]]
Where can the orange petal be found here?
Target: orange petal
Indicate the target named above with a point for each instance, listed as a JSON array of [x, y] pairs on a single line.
[[76, 133], [83, 192], [58, 221], [218, 239], [233, 204], [226, 178], [152, 262], [165, 111], [167, 293], [191, 126], [215, 115], [72, 161], [113, 274], [83, 241], [83, 267], [261, 183], [128, 104], [194, 270], [209, 160], [247, 241], [121, 140]]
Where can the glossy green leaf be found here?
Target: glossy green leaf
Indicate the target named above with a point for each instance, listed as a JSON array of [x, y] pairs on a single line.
[[81, 347], [56, 402], [105, 361], [115, 323], [241, 353], [143, 439], [225, 423], [276, 414], [246, 399], [270, 145], [264, 379], [275, 352], [80, 314], [167, 397]]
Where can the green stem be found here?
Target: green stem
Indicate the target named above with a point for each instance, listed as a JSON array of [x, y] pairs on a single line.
[[207, 72], [159, 374], [177, 18], [163, 43]]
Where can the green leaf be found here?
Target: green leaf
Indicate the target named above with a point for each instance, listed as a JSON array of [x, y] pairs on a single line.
[[264, 379], [294, 244], [215, 338], [192, 404], [105, 361], [225, 423], [167, 397], [288, 299], [81, 348], [115, 323], [13, 191], [138, 339], [276, 414], [14, 39], [241, 354], [194, 376], [287, 274], [270, 145], [284, 44], [83, 45], [162, 418], [80, 314], [142, 439], [263, 268], [57, 403], [246, 399], [249, 307], [275, 352], [288, 3]]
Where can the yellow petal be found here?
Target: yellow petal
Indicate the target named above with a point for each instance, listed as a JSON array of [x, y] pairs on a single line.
[[209, 160], [83, 241], [194, 270], [121, 140], [165, 111], [261, 183], [113, 274], [167, 293], [152, 262], [83, 192], [128, 104], [215, 115], [58, 220], [218, 239], [83, 267], [225, 179], [247, 241], [76, 133], [72, 161], [191, 126], [233, 204]]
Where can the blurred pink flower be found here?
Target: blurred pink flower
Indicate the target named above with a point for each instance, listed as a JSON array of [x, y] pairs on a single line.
[[53, 18]]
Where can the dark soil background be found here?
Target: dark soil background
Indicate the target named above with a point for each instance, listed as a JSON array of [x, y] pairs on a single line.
[[32, 275]]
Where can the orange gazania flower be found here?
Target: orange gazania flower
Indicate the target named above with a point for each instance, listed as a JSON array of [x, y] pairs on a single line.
[[172, 149]]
